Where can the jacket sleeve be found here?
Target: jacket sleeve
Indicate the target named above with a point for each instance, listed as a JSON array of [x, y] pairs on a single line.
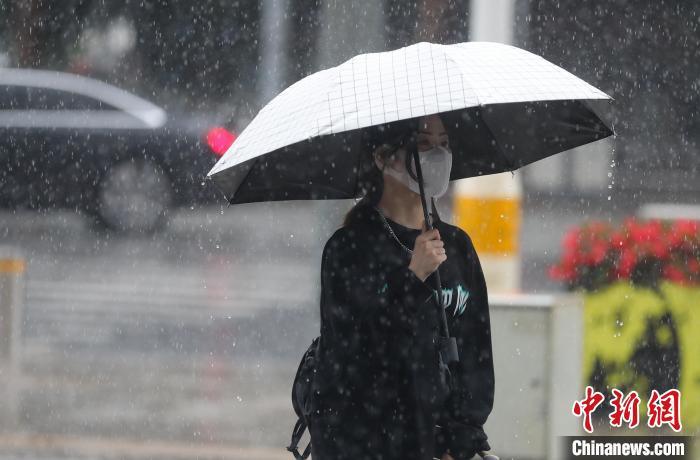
[[410, 298], [369, 320], [471, 401]]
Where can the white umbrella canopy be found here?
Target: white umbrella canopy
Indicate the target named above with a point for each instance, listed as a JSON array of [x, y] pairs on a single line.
[[503, 108]]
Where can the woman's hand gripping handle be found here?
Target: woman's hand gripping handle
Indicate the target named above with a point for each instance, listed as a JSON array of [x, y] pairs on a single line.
[[428, 253]]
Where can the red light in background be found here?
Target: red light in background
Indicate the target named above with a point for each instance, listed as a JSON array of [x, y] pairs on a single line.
[[219, 140]]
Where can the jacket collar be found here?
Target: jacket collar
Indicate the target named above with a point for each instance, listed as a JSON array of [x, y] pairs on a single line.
[[367, 213]]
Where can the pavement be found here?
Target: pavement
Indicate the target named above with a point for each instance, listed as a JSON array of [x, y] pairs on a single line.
[[55, 447]]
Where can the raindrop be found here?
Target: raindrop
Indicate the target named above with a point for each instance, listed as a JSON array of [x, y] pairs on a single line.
[[612, 168]]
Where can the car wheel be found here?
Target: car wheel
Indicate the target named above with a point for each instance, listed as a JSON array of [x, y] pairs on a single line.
[[134, 196]]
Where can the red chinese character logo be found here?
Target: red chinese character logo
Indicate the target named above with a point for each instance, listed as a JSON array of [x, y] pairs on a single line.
[[665, 408], [586, 406], [626, 409]]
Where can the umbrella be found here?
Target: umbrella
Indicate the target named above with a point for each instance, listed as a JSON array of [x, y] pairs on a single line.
[[503, 108]]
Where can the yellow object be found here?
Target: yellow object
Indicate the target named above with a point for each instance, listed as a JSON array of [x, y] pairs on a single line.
[[492, 223], [615, 320], [12, 266], [488, 209]]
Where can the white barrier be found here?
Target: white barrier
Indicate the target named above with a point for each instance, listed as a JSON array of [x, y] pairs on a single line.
[[538, 355], [12, 268], [669, 211]]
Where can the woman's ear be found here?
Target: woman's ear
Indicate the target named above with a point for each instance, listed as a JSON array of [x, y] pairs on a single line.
[[378, 161]]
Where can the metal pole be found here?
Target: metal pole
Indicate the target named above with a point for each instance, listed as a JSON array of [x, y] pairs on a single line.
[[345, 29], [489, 208], [12, 269], [275, 28]]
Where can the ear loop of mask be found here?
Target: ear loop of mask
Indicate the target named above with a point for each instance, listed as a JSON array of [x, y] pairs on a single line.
[[407, 140], [411, 147]]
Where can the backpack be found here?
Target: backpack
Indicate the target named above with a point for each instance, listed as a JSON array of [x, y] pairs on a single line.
[[302, 390], [301, 398]]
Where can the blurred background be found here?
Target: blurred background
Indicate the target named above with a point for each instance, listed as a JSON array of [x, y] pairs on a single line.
[[143, 317]]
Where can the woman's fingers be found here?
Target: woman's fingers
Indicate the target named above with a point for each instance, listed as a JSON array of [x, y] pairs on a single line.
[[430, 243], [428, 253], [429, 235]]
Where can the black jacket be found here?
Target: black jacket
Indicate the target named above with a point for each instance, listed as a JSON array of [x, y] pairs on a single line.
[[377, 357]]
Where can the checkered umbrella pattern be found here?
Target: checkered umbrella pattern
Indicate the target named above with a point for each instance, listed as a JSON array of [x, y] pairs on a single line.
[[504, 107]]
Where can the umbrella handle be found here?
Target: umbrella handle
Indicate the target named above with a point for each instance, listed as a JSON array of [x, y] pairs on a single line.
[[447, 345]]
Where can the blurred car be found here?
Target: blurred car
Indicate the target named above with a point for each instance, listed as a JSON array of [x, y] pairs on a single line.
[[71, 141]]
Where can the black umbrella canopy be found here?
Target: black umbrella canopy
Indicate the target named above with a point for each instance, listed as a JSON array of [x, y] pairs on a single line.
[[484, 140]]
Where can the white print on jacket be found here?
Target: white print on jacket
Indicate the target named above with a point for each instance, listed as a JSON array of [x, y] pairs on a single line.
[[461, 303], [462, 296]]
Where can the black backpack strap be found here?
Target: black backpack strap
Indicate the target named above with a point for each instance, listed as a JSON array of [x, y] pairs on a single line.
[[296, 437]]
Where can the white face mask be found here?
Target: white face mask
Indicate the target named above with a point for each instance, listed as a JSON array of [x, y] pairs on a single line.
[[436, 165]]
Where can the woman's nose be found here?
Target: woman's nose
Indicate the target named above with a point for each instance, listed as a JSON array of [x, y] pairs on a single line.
[[426, 145]]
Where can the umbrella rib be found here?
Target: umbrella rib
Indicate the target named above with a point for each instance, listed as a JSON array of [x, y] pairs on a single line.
[[437, 98], [354, 90], [420, 77], [408, 84], [448, 55], [330, 112], [244, 178], [396, 90], [449, 84], [342, 102], [381, 88], [498, 144], [357, 175]]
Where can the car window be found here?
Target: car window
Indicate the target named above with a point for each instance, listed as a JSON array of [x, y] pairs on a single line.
[[53, 99], [13, 97]]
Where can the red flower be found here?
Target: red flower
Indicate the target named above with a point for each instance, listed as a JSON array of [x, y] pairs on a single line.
[[628, 259], [683, 233], [674, 274], [559, 273], [596, 253], [659, 249], [617, 240], [694, 266], [571, 240]]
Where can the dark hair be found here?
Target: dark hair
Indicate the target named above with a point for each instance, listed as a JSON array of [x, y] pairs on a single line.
[[382, 140]]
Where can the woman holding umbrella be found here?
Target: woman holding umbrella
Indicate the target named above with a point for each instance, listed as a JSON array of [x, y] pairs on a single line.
[[382, 390]]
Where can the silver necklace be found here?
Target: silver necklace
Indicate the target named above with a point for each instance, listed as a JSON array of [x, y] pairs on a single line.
[[386, 224]]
